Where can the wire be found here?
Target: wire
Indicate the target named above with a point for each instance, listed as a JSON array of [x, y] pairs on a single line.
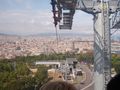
[[57, 39], [114, 31], [114, 18]]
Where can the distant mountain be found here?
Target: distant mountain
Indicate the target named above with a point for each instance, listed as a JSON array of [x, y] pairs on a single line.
[[61, 34], [3, 34]]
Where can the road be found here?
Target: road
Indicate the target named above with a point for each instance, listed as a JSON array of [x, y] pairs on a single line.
[[87, 81]]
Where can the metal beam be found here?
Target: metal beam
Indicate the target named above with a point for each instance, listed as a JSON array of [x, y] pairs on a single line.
[[102, 42], [101, 10]]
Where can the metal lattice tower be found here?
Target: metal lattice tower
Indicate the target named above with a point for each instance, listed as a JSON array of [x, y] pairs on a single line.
[[101, 11]]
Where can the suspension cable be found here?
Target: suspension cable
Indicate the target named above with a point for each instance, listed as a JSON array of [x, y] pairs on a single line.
[[57, 38], [114, 31], [115, 17]]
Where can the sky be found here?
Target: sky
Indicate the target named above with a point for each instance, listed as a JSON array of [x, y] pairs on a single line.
[[26, 17]]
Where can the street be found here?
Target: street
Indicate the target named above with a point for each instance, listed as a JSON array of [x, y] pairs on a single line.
[[87, 82]]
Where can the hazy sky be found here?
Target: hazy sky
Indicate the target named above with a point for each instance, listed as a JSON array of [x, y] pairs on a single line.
[[25, 17]]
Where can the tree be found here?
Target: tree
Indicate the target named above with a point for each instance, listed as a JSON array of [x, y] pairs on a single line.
[[116, 62], [116, 65], [22, 69], [41, 76]]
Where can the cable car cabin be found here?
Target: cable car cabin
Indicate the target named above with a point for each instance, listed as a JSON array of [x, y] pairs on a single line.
[[65, 27], [68, 3], [79, 72], [67, 21]]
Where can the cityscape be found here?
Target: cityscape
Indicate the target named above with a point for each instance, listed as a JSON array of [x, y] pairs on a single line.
[[59, 44], [12, 46]]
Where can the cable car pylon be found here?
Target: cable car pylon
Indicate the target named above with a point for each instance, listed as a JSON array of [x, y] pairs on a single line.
[[101, 11]]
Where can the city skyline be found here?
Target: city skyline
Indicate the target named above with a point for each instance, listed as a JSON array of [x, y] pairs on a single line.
[[26, 17]]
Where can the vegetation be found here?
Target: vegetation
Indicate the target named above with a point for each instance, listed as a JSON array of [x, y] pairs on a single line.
[[16, 75], [116, 62]]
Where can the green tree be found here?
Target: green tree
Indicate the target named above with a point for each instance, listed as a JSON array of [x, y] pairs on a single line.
[[41, 76], [116, 62], [22, 69]]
